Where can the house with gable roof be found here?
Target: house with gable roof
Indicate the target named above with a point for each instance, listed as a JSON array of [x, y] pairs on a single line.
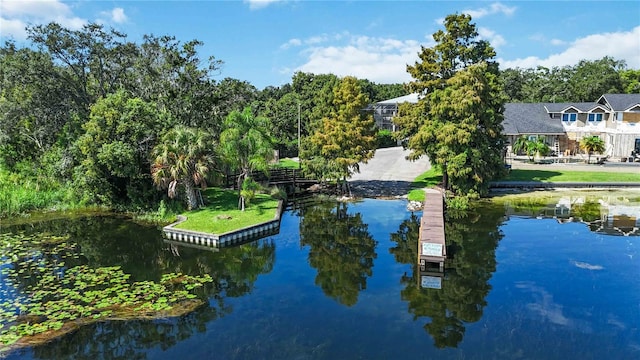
[[623, 126], [615, 118]]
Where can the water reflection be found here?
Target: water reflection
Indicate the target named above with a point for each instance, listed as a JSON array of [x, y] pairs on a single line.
[[341, 249], [141, 252], [472, 243], [612, 212]]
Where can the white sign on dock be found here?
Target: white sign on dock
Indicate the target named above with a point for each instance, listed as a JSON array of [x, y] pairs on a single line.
[[429, 249], [431, 282]]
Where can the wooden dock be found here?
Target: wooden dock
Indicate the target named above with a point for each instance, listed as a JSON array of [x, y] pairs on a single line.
[[432, 248]]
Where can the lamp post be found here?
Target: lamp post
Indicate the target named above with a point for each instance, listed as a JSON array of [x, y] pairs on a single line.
[[299, 160]]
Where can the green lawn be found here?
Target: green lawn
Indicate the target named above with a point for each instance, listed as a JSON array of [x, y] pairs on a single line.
[[570, 176], [221, 214], [430, 178], [287, 164]]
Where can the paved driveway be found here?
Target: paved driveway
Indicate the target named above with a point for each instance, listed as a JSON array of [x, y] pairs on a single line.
[[387, 174]]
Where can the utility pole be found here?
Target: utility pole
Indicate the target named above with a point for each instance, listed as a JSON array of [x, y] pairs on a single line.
[[299, 131]]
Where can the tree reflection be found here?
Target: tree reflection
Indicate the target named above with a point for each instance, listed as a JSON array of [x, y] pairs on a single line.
[[141, 252], [341, 249], [469, 267]]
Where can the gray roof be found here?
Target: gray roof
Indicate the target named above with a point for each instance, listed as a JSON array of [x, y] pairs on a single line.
[[560, 107], [411, 98], [524, 118], [620, 102]]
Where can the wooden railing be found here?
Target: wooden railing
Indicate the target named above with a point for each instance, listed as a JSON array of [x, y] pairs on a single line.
[[273, 177]]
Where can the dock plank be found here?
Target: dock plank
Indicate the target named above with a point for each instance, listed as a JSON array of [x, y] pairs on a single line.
[[431, 245]]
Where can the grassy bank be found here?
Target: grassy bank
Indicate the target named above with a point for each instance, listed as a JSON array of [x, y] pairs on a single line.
[[221, 214], [570, 176], [429, 178], [19, 195]]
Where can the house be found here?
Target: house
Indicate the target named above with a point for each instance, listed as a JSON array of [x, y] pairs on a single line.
[[615, 118], [384, 111], [533, 121]]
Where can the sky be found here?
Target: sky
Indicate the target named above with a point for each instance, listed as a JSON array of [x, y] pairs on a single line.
[[264, 42]]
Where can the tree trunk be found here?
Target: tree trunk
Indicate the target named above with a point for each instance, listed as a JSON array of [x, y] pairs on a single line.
[[445, 178], [241, 178], [192, 197]]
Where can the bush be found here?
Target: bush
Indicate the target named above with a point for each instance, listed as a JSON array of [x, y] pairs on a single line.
[[384, 139]]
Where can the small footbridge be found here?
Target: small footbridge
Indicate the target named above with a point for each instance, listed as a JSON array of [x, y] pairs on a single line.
[[289, 179]]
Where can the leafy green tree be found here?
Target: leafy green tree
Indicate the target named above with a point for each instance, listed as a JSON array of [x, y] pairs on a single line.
[[592, 79], [630, 81], [283, 114], [455, 48], [246, 145], [592, 144], [115, 150], [315, 93], [171, 74], [183, 160], [457, 122], [96, 61], [343, 139], [513, 80], [34, 108]]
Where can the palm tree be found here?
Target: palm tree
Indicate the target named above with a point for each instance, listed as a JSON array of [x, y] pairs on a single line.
[[183, 159], [246, 145], [591, 144], [521, 144], [532, 148]]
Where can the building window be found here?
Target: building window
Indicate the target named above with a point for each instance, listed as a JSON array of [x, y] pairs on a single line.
[[595, 117], [569, 117]]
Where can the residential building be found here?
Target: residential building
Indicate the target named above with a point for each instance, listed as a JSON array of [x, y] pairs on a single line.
[[615, 118]]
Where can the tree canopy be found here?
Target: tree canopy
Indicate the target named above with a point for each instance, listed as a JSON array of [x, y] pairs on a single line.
[[343, 138], [457, 121], [246, 145]]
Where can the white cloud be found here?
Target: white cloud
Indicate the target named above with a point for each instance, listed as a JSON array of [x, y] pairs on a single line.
[[118, 15], [291, 43], [495, 8], [622, 45], [259, 4], [496, 40], [17, 14], [14, 28], [558, 42], [382, 60]]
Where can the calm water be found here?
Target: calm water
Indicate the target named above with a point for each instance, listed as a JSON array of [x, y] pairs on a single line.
[[526, 280]]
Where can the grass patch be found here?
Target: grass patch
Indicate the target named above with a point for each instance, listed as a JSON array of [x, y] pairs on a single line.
[[287, 164], [222, 215], [570, 176], [21, 194], [429, 178]]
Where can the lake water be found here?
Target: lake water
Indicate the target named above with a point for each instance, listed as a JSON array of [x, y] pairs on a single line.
[[526, 280]]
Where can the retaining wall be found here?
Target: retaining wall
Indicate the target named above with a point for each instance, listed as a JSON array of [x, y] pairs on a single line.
[[239, 236]]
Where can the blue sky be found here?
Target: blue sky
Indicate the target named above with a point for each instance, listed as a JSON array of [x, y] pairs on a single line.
[[265, 42]]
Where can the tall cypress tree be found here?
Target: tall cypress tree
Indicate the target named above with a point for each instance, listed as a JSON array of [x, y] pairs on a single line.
[[457, 121]]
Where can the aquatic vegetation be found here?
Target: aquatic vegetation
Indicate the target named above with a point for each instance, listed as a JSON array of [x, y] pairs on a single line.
[[47, 292]]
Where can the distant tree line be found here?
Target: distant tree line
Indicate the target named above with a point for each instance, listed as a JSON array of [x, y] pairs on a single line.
[[583, 82], [107, 118]]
